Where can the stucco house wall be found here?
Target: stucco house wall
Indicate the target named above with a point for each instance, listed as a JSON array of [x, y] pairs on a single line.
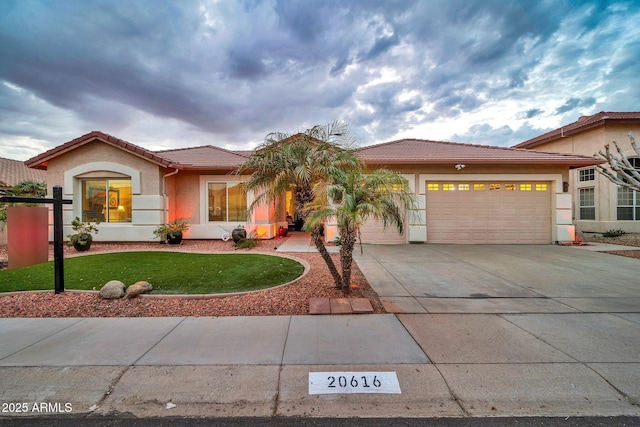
[[99, 160], [589, 142]]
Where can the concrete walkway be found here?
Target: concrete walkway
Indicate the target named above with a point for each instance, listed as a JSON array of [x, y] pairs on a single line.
[[496, 331], [299, 241]]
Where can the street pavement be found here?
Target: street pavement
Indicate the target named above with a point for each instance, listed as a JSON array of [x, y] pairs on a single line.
[[472, 332]]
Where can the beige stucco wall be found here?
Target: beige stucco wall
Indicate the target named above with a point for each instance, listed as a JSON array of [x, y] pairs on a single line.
[[588, 143], [99, 159]]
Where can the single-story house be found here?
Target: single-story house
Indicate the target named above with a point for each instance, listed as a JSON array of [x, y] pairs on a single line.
[[466, 193], [599, 204]]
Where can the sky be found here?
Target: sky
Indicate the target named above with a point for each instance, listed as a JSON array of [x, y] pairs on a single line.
[[168, 74]]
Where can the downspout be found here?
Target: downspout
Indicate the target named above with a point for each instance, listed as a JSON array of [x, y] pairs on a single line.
[[164, 195]]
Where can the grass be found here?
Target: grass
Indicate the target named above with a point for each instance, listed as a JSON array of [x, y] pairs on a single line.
[[168, 272]]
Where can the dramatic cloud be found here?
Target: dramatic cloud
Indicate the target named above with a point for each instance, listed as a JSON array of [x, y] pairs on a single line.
[[183, 73]]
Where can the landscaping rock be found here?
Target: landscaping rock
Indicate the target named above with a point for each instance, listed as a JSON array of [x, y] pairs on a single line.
[[138, 288], [113, 289]]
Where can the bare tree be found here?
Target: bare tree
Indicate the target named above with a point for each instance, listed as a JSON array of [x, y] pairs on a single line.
[[622, 171]]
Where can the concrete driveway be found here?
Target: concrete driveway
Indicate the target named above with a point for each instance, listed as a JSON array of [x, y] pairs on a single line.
[[500, 279], [535, 329]]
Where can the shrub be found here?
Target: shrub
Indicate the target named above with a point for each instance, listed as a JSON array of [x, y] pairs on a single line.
[[248, 243], [613, 233]]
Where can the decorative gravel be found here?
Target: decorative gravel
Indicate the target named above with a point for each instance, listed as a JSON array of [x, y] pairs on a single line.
[[291, 299], [630, 239]]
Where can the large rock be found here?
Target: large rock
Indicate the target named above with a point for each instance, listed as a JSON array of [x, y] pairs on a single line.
[[138, 288], [113, 289]]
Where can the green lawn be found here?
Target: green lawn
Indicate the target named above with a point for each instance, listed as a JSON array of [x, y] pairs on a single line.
[[168, 272]]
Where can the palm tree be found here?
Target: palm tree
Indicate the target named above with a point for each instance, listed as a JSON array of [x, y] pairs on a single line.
[[352, 198], [298, 163]]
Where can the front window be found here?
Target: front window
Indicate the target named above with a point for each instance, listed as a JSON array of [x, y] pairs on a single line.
[[226, 202], [628, 208], [586, 175], [106, 200], [587, 203], [628, 204]]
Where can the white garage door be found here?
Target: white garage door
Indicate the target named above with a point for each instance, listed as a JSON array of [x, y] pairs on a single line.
[[488, 212], [373, 232]]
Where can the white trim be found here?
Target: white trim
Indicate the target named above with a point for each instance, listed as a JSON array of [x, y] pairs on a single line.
[[70, 174], [580, 206], [204, 188], [592, 169]]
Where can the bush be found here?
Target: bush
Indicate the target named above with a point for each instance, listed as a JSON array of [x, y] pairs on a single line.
[[248, 243], [613, 233]]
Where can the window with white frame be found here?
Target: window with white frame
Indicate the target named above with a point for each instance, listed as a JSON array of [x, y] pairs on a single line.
[[587, 200], [628, 208], [226, 202], [587, 175], [628, 204]]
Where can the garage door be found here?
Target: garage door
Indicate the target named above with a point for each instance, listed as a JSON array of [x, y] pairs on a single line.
[[488, 212], [373, 232]]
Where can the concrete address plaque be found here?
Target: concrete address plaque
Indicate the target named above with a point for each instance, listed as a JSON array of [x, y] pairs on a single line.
[[353, 382]]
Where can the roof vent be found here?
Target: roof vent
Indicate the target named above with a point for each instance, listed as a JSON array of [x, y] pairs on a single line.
[[583, 118]]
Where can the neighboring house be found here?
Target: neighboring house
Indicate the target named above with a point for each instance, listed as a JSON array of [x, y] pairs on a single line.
[[599, 205], [466, 193], [15, 171]]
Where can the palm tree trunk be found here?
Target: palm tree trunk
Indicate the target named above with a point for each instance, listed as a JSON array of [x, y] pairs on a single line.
[[346, 258], [317, 240]]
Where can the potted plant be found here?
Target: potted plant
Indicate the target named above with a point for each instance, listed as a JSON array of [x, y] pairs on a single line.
[[81, 239], [238, 234], [172, 232]]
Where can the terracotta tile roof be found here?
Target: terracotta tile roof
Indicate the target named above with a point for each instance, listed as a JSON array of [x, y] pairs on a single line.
[[405, 151], [205, 157], [40, 161], [582, 124], [15, 171], [419, 151], [245, 153]]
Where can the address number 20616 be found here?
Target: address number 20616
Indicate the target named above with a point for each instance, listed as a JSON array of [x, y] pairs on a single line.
[[353, 382]]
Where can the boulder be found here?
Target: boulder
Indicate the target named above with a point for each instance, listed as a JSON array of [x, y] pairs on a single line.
[[138, 288], [113, 289]]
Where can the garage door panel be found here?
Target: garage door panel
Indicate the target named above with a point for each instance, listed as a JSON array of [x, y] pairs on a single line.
[[373, 232], [503, 215]]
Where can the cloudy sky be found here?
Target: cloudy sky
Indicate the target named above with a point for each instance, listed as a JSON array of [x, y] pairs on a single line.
[[166, 74]]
